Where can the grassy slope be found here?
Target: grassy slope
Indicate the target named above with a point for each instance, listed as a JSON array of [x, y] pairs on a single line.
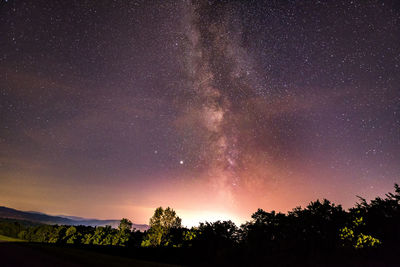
[[10, 239], [36, 254], [96, 259], [76, 255]]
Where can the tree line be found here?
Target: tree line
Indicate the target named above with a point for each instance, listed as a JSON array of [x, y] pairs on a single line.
[[321, 227], [65, 234]]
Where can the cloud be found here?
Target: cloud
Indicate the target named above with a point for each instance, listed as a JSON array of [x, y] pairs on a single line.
[[101, 120], [33, 86]]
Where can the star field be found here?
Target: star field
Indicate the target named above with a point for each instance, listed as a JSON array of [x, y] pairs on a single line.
[[211, 107]]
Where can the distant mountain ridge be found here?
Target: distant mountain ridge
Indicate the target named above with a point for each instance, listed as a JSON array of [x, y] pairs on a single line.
[[40, 217]]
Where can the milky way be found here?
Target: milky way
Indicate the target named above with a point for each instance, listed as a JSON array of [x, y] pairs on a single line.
[[220, 111]]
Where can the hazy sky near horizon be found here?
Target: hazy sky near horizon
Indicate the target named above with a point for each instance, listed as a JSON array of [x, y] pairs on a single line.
[[110, 109]]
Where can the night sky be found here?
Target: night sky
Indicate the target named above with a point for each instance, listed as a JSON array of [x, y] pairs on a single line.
[[110, 109]]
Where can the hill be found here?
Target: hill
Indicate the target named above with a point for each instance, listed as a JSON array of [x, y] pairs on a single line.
[[39, 217]]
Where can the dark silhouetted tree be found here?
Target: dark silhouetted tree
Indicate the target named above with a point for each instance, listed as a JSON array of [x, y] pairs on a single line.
[[160, 227]]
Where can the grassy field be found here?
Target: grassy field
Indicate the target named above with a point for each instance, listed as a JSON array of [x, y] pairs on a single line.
[[91, 258], [10, 239], [43, 255]]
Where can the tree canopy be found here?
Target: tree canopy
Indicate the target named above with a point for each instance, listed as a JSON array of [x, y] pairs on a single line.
[[161, 224]]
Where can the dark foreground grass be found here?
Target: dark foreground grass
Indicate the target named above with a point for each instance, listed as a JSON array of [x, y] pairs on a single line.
[[44, 254], [10, 239], [36, 254]]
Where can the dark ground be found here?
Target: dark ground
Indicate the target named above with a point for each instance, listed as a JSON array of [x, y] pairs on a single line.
[[29, 254], [23, 254]]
